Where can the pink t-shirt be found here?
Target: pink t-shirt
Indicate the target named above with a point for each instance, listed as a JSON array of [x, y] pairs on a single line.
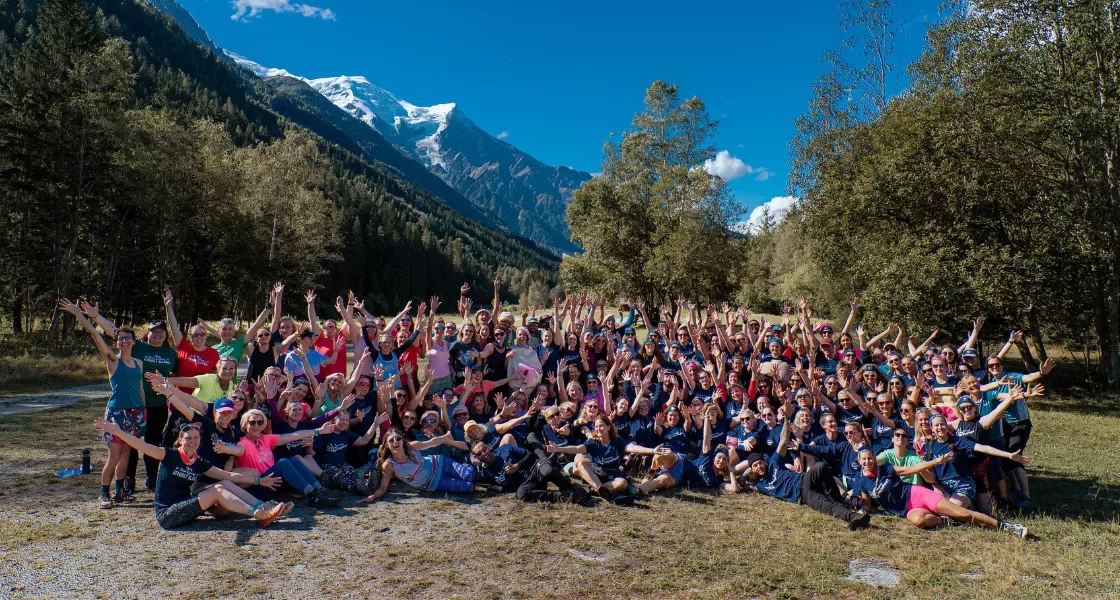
[[440, 361], [257, 458]]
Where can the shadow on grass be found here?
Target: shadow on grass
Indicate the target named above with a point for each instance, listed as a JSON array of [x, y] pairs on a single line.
[[1074, 499]]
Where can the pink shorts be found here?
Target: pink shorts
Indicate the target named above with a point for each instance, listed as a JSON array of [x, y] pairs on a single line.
[[923, 498]]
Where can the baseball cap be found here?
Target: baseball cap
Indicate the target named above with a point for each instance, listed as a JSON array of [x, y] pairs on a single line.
[[158, 324], [969, 352], [224, 404]]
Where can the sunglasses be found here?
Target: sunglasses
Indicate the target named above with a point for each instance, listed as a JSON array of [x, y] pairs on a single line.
[[428, 421], [262, 335], [394, 440], [901, 436], [201, 335], [125, 339], [408, 417], [463, 416], [256, 422]]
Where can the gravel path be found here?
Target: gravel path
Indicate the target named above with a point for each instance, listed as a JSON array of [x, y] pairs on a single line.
[[33, 402]]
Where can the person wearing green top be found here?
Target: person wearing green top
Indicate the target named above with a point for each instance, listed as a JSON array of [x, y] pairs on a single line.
[[900, 455], [229, 346], [157, 356], [211, 387]]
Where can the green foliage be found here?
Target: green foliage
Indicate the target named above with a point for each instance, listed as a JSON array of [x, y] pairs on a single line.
[[986, 189], [655, 225], [134, 160]]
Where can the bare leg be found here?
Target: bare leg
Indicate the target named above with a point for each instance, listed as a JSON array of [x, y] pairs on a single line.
[[959, 513], [508, 440], [586, 473], [618, 485], [661, 482], [223, 495], [110, 468], [122, 461], [959, 500], [924, 519]]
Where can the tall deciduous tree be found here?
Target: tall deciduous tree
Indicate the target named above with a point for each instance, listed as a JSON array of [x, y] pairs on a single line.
[[655, 224]]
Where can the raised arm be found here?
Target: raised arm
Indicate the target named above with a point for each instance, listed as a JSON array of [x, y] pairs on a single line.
[[916, 352], [304, 434], [875, 340], [391, 325], [93, 311], [971, 341], [1043, 369], [172, 322], [113, 429], [311, 318], [183, 402], [102, 347], [1011, 339], [851, 316], [256, 326], [275, 296]]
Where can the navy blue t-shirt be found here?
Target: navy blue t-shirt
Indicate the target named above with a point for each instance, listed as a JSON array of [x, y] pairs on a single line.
[[780, 482], [961, 465], [330, 449], [607, 456], [887, 489], [175, 478]]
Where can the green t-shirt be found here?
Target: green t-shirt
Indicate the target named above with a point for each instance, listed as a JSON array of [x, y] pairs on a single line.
[[209, 390], [156, 359], [234, 348], [888, 457]]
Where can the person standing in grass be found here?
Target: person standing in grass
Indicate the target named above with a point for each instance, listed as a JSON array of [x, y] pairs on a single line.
[[157, 356], [181, 468], [126, 403]]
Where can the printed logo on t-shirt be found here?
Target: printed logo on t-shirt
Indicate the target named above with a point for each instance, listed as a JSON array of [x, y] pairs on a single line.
[[185, 473]]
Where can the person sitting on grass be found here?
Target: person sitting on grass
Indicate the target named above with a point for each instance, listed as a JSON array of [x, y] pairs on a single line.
[[599, 460], [181, 467], [816, 487], [255, 458], [399, 458], [882, 485], [704, 471], [330, 454]]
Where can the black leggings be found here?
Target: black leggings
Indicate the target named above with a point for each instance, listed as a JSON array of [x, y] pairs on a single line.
[[157, 419], [819, 492], [535, 488]]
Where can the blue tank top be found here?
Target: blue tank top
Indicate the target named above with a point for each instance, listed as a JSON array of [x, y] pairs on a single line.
[[125, 382]]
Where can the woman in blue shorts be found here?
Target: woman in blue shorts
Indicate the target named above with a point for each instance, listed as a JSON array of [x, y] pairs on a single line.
[[399, 458]]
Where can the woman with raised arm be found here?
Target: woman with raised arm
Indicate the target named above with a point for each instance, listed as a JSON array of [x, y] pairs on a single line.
[[399, 458], [955, 476], [180, 468], [255, 458], [126, 402], [675, 468], [925, 508], [157, 355]]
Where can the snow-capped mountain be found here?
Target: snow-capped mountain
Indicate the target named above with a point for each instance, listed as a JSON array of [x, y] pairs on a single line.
[[531, 198]]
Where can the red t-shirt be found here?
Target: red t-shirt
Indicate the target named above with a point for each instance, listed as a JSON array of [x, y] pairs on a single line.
[[325, 345], [195, 362]]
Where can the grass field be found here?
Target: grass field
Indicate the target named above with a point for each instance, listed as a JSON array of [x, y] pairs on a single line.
[[54, 542]]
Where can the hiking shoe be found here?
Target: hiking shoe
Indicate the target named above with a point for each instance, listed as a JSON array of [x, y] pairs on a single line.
[[105, 502], [623, 499], [322, 498], [1014, 529], [271, 511], [859, 520], [946, 521], [605, 492]]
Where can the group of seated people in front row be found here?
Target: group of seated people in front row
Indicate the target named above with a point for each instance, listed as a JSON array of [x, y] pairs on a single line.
[[565, 407]]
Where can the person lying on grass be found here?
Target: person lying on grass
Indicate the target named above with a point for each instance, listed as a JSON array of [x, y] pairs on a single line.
[[400, 458], [177, 503], [599, 460]]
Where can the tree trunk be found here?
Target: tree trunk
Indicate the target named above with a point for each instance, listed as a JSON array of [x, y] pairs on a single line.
[[1100, 323], [17, 313], [1036, 333]]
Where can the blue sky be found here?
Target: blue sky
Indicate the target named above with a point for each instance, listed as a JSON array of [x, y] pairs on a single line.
[[559, 78]]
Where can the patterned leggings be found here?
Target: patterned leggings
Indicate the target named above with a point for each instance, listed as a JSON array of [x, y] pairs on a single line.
[[344, 478], [455, 477]]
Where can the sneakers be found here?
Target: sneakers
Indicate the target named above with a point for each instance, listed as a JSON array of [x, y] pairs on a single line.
[[946, 521], [1014, 529], [623, 499], [321, 498], [270, 511], [859, 520], [105, 502]]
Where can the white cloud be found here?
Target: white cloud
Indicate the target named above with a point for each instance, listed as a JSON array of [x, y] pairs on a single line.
[[246, 9], [777, 207], [503, 135], [726, 167], [729, 168]]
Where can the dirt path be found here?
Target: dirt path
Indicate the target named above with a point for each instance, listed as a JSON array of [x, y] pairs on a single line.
[[26, 403]]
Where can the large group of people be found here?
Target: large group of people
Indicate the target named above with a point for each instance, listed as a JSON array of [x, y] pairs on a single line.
[[567, 405]]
